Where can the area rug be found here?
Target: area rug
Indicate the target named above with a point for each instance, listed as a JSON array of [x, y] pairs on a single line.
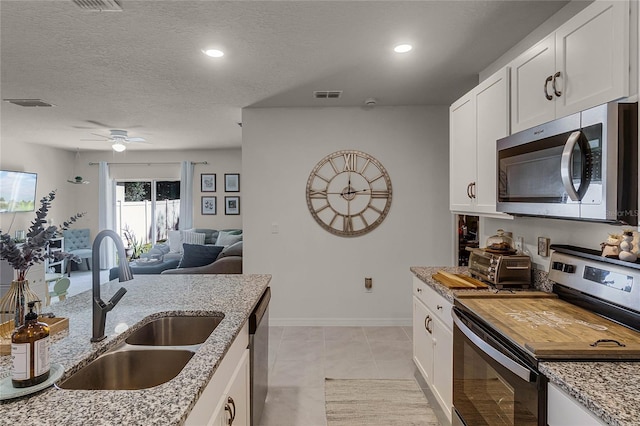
[[376, 402]]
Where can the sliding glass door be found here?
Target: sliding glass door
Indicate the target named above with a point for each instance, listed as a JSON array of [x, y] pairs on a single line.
[[146, 210]]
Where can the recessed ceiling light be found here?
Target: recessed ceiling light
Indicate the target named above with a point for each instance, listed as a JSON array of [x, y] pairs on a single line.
[[402, 48], [214, 53]]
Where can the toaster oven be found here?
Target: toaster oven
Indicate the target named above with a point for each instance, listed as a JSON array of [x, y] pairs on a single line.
[[500, 270]]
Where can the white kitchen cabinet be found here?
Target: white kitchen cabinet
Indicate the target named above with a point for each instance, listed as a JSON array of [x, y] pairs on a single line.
[[227, 394], [563, 410], [582, 64], [477, 121], [433, 342]]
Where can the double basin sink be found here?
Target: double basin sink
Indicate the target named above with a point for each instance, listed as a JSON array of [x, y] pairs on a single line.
[[150, 356]]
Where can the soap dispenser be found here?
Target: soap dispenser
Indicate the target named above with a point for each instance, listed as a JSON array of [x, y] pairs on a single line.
[[30, 351]]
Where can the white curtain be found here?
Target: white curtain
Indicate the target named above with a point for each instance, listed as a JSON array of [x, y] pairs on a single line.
[[186, 195], [106, 214]]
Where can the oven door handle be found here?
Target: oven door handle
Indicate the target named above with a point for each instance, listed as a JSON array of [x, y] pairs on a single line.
[[566, 166], [517, 369]]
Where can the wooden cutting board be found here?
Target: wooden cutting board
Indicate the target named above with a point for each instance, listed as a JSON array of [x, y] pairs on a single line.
[[551, 328], [458, 281], [56, 325]]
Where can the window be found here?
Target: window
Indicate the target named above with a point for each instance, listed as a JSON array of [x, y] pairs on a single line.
[[148, 208]]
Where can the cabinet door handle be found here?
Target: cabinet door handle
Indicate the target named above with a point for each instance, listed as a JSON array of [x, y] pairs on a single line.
[[473, 190], [231, 409], [427, 321], [557, 92], [546, 83], [469, 191], [439, 307], [419, 290]]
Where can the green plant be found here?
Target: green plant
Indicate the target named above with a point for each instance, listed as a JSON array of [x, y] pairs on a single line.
[[136, 246], [22, 255]]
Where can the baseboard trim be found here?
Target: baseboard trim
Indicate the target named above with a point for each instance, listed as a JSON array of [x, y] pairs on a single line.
[[338, 322]]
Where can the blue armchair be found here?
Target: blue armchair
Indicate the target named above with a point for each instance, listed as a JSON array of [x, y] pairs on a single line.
[[78, 242]]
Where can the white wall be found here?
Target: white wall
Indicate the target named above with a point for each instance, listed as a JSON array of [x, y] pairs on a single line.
[[318, 278], [54, 167], [219, 162]]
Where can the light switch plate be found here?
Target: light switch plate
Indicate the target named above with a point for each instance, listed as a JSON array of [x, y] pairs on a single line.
[[543, 246]]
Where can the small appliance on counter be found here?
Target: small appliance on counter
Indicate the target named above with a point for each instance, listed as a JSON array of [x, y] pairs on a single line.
[[499, 264]]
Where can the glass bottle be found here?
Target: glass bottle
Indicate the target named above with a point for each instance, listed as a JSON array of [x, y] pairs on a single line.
[[30, 351]]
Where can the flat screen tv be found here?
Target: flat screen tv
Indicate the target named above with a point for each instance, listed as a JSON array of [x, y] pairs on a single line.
[[17, 191]]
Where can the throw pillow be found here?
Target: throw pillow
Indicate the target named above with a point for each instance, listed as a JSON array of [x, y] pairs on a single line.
[[211, 235], [198, 255], [175, 242], [226, 239], [193, 238], [232, 250]]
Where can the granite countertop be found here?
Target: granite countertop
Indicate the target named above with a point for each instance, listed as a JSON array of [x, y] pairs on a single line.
[[608, 389], [148, 297]]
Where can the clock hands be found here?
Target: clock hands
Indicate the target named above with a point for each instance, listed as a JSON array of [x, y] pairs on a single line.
[[353, 191]]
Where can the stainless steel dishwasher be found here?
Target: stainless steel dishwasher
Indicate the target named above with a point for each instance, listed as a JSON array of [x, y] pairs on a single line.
[[259, 356]]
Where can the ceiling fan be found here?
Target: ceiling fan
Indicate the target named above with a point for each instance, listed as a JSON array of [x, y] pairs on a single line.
[[119, 139]]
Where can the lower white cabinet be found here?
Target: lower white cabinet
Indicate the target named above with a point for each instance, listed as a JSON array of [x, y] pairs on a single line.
[[563, 410], [225, 401], [433, 343]]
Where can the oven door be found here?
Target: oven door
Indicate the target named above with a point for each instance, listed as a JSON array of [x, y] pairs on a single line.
[[491, 385]]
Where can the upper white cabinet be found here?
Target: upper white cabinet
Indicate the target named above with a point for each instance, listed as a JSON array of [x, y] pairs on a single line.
[[477, 121], [583, 64]]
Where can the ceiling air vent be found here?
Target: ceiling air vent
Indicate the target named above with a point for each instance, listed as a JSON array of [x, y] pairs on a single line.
[[327, 94], [29, 102], [99, 5]]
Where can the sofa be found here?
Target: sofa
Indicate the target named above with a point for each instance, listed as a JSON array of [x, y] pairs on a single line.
[[195, 251], [227, 261]]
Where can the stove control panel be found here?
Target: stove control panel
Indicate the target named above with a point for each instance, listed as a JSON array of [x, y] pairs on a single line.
[[563, 267], [606, 281]]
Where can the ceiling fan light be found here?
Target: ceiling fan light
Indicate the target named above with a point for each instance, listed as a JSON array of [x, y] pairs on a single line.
[[402, 48], [214, 53], [118, 146]]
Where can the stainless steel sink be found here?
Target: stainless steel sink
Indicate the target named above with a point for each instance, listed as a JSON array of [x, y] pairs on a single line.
[[170, 343], [129, 369], [175, 331]]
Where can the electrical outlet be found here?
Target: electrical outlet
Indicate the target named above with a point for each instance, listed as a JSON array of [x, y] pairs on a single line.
[[368, 285], [519, 244]]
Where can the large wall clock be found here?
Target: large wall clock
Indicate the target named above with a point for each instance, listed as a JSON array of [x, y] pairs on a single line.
[[349, 193]]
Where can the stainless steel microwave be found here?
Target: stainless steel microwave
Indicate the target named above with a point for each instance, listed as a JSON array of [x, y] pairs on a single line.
[[583, 166]]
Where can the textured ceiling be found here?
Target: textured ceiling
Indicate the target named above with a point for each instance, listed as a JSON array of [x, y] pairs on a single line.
[[142, 69]]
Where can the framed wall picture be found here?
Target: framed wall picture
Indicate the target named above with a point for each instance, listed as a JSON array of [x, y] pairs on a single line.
[[207, 182], [231, 205], [232, 182], [208, 205]]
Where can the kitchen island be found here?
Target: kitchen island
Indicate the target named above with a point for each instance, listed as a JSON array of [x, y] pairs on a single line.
[[607, 389], [148, 297]]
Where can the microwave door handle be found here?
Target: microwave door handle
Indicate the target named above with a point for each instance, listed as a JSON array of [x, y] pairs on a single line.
[[566, 166], [496, 355]]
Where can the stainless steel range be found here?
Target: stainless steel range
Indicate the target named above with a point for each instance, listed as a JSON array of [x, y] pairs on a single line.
[[499, 339]]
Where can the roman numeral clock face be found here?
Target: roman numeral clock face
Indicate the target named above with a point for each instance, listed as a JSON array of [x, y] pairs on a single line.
[[349, 193]]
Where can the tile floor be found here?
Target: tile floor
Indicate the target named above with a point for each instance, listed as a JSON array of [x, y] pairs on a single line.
[[301, 357]]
